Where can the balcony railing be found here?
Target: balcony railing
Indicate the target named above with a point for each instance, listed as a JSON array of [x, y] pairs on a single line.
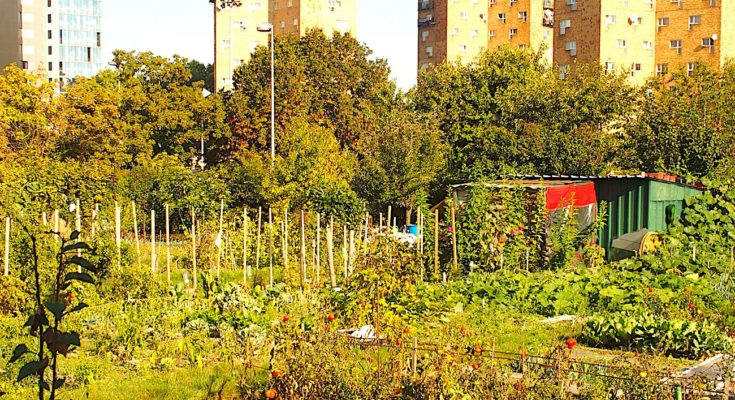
[[426, 5], [426, 21]]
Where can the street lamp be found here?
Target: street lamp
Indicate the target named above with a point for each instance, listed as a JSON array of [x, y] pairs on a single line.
[[268, 28]]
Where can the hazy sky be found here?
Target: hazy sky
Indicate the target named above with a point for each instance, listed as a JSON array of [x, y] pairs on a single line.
[[184, 27]]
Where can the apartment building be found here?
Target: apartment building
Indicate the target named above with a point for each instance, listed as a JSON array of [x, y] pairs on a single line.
[[459, 30], [694, 31], [60, 38], [236, 22], [619, 34]]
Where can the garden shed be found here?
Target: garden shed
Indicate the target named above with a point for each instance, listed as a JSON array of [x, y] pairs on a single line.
[[634, 202]]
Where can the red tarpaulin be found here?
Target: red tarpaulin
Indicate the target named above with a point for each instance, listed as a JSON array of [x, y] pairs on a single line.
[[576, 195]]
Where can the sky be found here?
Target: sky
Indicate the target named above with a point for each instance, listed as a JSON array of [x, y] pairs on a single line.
[[185, 27]]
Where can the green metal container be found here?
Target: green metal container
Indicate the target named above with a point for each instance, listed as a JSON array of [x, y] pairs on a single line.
[[635, 203]]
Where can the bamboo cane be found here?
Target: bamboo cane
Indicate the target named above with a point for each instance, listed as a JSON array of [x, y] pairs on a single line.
[[137, 240], [344, 251], [454, 239], [270, 245], [153, 241], [7, 246], [330, 252], [118, 234], [318, 249], [168, 247], [257, 244], [436, 242], [79, 230], [245, 272], [220, 237], [303, 251], [194, 246]]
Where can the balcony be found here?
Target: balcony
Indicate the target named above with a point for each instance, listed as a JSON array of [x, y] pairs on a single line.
[[427, 21], [426, 5]]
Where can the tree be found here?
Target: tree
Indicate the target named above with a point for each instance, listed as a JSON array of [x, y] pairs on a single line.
[[331, 83], [399, 162], [27, 105], [686, 124], [202, 73]]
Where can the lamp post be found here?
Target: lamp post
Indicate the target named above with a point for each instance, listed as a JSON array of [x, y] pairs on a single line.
[[268, 28]]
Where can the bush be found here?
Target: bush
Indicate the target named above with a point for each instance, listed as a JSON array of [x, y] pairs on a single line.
[[12, 296]]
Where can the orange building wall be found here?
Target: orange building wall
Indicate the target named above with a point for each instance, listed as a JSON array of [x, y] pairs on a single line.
[[678, 29]]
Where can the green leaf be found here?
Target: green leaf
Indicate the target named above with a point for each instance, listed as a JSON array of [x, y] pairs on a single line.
[[19, 351], [29, 369], [78, 307], [57, 309], [74, 235], [59, 383], [84, 263], [75, 276], [71, 338], [75, 246]]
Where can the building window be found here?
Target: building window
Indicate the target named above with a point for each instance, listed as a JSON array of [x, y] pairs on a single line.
[[649, 2], [49, 18], [275, 5], [430, 51], [455, 31], [289, 4], [691, 67], [572, 4], [563, 68], [25, 64], [571, 47], [295, 22], [474, 33], [648, 45], [622, 44], [564, 25], [50, 51], [609, 67], [99, 39], [709, 43], [713, 3], [662, 69], [50, 66], [49, 3], [483, 17], [463, 48], [694, 20], [61, 36], [491, 3], [463, 15], [512, 32], [225, 43], [61, 65], [523, 16], [501, 17], [50, 34], [424, 36], [283, 24], [513, 2], [611, 19], [635, 20], [676, 45], [254, 7], [679, 2], [635, 68], [89, 54], [662, 22], [491, 34]]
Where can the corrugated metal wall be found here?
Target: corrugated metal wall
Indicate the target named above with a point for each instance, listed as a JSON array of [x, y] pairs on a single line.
[[627, 210]]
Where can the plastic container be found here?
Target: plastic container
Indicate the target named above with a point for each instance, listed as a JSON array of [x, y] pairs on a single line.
[[413, 229]]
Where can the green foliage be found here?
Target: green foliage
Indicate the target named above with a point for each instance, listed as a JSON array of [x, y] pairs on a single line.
[[679, 338]]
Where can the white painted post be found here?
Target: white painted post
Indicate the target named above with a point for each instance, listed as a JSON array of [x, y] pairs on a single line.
[[168, 247], [153, 241], [7, 246]]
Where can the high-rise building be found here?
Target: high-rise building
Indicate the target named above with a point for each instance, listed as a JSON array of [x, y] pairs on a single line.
[[619, 34], [694, 31], [236, 22], [60, 38], [459, 30]]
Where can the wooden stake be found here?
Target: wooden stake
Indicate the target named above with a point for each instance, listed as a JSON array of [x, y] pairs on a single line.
[[168, 247], [153, 241], [118, 234], [285, 238], [330, 252], [56, 225], [194, 246], [79, 229], [454, 239], [436, 242], [270, 245], [380, 221], [303, 251], [257, 244], [344, 251], [7, 246], [388, 222], [318, 249], [351, 256], [220, 237], [44, 218], [137, 240], [95, 215], [245, 270], [365, 238]]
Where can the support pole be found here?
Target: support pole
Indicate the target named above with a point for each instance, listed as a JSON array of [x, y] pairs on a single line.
[[345, 257], [220, 237], [257, 243], [153, 241], [436, 242], [270, 245], [7, 246], [118, 234], [194, 246], [454, 239], [303, 251], [137, 240], [168, 247], [56, 224], [245, 270], [318, 249], [330, 252], [78, 226]]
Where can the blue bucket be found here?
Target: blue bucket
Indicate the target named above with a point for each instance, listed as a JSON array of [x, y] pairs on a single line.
[[413, 229]]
